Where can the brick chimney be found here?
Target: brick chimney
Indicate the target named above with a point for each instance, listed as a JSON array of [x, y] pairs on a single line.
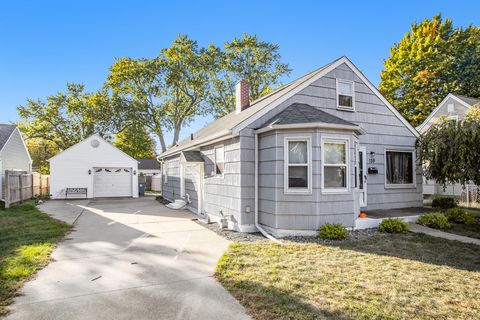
[[242, 95]]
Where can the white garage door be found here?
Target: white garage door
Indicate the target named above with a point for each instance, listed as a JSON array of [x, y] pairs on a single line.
[[112, 182]]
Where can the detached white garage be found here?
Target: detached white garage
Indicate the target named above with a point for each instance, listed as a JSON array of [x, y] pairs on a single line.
[[93, 168]]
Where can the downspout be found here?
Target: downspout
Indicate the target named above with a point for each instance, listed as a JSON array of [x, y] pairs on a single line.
[[257, 224]]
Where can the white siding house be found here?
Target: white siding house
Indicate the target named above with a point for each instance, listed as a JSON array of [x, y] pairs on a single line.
[[13, 152], [96, 165]]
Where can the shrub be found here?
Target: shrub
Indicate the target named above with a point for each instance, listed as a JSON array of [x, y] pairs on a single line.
[[434, 220], [333, 231], [441, 202], [459, 215], [393, 225]]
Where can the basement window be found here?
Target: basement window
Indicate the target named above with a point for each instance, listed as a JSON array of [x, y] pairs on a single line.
[[345, 95]]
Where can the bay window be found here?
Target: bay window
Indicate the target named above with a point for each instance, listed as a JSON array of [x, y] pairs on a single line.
[[335, 165], [399, 168], [297, 165]]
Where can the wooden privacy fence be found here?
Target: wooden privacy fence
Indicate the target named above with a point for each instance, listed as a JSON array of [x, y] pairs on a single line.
[[20, 185]]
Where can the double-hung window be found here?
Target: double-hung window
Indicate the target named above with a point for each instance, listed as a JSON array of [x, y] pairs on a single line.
[[345, 95], [298, 165], [219, 161], [399, 168], [335, 165]]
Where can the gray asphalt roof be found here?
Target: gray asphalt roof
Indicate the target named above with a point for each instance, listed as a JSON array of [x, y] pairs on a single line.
[[468, 100], [304, 113], [193, 156], [147, 164], [5, 133], [230, 120]]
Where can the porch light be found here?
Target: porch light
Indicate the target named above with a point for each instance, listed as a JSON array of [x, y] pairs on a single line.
[[89, 172], [372, 154], [134, 172]]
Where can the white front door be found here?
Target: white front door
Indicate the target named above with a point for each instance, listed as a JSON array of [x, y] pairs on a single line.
[[362, 175], [112, 182]]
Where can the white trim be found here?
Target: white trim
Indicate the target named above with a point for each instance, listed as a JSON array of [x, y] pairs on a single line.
[[165, 171], [215, 174], [182, 180], [209, 139], [363, 149], [244, 123], [414, 173], [340, 140], [286, 165], [337, 91], [432, 114], [97, 136], [320, 125]]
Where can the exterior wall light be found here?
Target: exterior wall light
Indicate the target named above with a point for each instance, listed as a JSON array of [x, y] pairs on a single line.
[[89, 172], [134, 172]]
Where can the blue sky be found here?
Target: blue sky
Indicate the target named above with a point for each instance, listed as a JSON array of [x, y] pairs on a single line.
[[44, 44]]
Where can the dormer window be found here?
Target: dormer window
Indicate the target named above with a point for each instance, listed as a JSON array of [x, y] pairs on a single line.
[[345, 95]]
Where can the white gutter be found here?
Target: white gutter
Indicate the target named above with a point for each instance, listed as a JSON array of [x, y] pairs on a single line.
[[222, 135], [257, 224], [322, 125]]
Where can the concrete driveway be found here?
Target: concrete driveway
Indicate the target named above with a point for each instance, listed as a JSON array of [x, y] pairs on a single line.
[[129, 259]]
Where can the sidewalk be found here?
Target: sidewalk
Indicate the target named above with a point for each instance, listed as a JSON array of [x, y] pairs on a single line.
[[441, 234]]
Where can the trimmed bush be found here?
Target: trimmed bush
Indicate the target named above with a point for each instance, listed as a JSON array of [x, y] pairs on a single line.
[[459, 215], [393, 225], [333, 231], [442, 202], [435, 220]]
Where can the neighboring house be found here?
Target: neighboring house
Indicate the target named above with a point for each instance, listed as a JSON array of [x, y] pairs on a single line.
[[98, 166], [13, 152], [453, 107], [317, 150], [147, 168]]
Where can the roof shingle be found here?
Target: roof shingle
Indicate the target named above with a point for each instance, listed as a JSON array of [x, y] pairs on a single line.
[[5, 133], [304, 113]]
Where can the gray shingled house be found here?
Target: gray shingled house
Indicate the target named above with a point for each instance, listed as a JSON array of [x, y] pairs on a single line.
[[453, 107], [317, 150]]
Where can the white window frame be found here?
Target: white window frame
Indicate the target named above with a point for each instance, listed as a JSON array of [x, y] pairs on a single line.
[[286, 165], [352, 83], [339, 140], [414, 173], [215, 174]]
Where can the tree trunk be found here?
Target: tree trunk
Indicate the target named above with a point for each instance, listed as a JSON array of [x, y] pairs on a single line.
[[176, 132], [162, 140]]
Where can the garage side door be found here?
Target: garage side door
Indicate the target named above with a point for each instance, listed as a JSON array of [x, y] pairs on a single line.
[[112, 182]]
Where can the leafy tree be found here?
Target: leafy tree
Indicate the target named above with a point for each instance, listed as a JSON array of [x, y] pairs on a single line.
[[136, 142], [248, 58], [430, 61], [40, 151], [166, 92], [66, 118], [449, 150]]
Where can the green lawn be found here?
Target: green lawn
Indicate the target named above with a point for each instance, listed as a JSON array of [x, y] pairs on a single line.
[[467, 230], [409, 276], [27, 237]]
